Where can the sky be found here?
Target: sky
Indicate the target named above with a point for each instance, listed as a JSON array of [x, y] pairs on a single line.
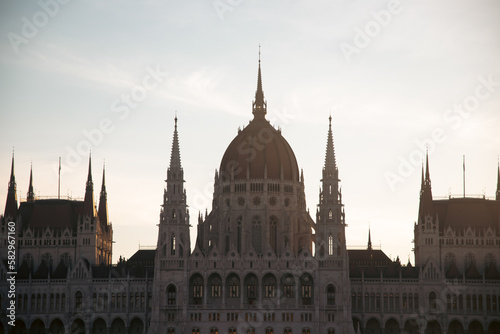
[[398, 78]]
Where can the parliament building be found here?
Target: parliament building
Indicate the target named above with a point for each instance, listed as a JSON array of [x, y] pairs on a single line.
[[261, 264]]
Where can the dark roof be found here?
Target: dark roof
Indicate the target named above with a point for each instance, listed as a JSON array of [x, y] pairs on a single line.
[[465, 212], [472, 272], [453, 271], [24, 271], [61, 271], [367, 257], [492, 272], [101, 271], [52, 213], [42, 271], [259, 147], [144, 257]]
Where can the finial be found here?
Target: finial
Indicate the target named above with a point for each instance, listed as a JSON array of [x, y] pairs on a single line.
[[330, 118], [259, 53], [175, 119]]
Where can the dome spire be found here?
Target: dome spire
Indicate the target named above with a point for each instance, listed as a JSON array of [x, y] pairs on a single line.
[[259, 104]]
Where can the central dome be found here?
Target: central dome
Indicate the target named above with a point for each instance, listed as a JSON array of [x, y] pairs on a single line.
[[259, 151]]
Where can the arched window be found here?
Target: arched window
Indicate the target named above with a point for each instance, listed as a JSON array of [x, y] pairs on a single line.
[[330, 295], [330, 244], [251, 288], [330, 214], [214, 331], [197, 331], [233, 284], [196, 289], [257, 234], [215, 286], [171, 295], [170, 330], [269, 331], [78, 301], [269, 282], [287, 284], [306, 289], [273, 235], [432, 300]]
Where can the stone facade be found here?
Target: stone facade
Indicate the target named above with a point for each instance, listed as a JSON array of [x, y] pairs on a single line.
[[261, 264]]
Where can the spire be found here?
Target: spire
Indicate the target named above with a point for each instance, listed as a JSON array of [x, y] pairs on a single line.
[[30, 196], [259, 105], [427, 173], [175, 156], [330, 161], [498, 184], [103, 200], [369, 240], [11, 202], [426, 192], [423, 181], [88, 202]]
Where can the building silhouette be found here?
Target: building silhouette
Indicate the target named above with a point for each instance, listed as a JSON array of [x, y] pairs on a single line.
[[260, 264]]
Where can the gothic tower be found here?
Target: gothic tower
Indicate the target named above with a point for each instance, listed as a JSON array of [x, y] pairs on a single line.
[[427, 229], [333, 261], [173, 245]]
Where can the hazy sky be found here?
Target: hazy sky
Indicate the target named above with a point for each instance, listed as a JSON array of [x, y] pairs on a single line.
[[396, 76]]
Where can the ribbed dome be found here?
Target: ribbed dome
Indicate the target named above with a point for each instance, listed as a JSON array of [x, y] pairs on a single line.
[[257, 148]]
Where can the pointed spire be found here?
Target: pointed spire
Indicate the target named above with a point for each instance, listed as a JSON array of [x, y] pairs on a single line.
[[175, 156], [89, 177], [11, 202], [12, 176], [30, 196], [498, 184], [427, 172], [422, 182], [103, 200], [88, 202], [426, 205], [369, 239], [259, 105], [330, 161]]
